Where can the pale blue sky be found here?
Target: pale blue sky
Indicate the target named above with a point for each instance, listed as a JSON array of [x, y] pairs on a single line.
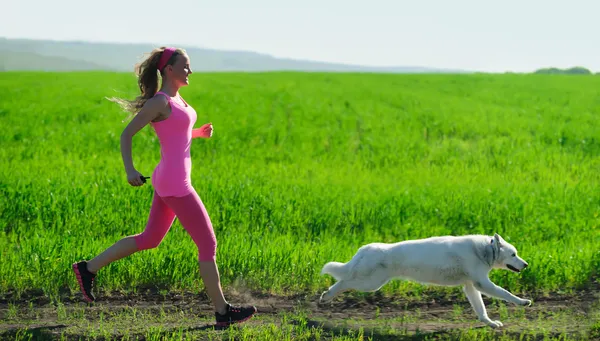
[[508, 35]]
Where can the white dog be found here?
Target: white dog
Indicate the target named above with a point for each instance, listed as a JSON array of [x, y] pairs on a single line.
[[446, 261]]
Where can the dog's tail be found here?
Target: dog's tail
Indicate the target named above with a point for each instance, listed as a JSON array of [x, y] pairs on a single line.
[[336, 269]]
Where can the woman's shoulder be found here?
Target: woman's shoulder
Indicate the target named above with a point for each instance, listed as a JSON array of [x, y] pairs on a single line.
[[155, 107], [158, 101]]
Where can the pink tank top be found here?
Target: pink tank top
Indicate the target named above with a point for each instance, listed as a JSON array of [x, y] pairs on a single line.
[[172, 175]]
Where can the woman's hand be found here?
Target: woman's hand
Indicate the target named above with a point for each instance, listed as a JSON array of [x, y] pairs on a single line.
[[205, 131], [134, 178]]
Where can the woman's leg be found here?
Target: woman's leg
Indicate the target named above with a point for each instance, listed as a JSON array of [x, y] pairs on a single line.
[[192, 215], [159, 222], [195, 220]]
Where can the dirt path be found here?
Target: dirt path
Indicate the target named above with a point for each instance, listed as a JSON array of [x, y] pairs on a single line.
[[557, 314]]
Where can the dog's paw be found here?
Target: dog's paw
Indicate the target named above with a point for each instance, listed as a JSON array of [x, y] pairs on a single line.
[[494, 324], [526, 303], [490, 322]]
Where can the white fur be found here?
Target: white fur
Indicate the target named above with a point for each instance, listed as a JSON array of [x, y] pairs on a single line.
[[446, 261]]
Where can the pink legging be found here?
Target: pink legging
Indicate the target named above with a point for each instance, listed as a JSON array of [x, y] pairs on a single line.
[[193, 217]]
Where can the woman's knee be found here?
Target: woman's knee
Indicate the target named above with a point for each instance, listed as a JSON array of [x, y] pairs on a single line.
[[146, 242], [207, 250]]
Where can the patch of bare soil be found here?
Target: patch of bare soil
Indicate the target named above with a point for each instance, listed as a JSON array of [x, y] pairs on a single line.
[[432, 315]]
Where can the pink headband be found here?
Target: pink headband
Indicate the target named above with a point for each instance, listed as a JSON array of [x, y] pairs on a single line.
[[164, 58]]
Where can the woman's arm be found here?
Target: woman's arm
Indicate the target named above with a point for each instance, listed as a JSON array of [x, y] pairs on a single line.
[[150, 111]]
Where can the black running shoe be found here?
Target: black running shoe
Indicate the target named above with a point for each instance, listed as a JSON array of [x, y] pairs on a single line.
[[234, 315], [85, 280]]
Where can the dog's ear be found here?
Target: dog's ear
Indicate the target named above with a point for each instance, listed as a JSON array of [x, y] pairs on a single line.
[[496, 242], [498, 239]]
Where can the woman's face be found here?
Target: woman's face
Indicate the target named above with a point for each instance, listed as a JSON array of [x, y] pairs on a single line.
[[180, 70]]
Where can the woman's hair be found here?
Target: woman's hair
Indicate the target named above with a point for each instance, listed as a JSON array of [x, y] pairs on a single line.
[[147, 74]]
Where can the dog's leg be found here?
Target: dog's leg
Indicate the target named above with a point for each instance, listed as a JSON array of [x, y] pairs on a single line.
[[333, 291], [476, 301], [489, 288], [373, 281], [368, 284]]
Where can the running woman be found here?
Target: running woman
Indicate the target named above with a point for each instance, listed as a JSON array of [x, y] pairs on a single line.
[[173, 119]]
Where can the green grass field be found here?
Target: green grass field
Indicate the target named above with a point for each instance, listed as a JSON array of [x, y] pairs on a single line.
[[303, 169]]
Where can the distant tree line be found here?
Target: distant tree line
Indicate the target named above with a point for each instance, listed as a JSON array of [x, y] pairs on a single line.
[[578, 70]]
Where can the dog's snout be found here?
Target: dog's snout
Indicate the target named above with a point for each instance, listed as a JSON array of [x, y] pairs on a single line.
[[525, 265]]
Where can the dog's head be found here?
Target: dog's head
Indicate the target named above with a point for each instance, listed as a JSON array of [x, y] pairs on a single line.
[[505, 255]]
